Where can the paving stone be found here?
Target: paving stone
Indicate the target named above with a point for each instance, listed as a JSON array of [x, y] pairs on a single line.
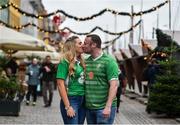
[[135, 113], [178, 120], [131, 112], [132, 95]]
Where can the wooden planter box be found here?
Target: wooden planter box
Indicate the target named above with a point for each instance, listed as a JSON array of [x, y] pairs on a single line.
[[9, 108]]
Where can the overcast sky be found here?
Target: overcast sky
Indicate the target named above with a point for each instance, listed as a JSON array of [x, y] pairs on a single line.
[[84, 8]]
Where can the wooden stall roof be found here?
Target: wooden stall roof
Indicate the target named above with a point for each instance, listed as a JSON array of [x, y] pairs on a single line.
[[149, 43], [138, 50], [125, 53], [118, 55]]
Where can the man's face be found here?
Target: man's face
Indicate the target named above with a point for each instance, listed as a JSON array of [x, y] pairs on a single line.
[[35, 61], [48, 59], [87, 47]]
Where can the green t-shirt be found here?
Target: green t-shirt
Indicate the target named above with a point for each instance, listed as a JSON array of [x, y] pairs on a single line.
[[98, 74], [76, 81]]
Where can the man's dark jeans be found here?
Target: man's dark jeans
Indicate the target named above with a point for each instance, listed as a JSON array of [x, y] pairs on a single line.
[[96, 116]]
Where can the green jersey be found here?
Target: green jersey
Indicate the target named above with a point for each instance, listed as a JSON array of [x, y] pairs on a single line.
[[99, 72], [75, 83]]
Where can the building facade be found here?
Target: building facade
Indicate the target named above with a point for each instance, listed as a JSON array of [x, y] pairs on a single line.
[[4, 12]]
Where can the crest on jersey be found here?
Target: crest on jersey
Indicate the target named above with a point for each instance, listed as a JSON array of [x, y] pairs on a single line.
[[91, 75]]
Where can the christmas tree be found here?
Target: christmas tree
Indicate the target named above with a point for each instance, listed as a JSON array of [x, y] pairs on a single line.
[[164, 97]]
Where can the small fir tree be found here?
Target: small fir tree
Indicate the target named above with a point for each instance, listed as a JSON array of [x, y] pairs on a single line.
[[164, 97]]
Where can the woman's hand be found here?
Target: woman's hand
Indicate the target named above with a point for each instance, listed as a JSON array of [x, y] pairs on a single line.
[[70, 112]]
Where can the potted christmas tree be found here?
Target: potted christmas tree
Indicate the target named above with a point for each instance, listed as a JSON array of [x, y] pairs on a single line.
[[9, 88], [164, 97]]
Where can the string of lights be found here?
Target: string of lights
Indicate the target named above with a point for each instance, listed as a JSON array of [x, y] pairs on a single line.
[[150, 10], [65, 28], [82, 18], [111, 42]]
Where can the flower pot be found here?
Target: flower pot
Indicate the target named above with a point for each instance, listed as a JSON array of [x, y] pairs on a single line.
[[9, 108]]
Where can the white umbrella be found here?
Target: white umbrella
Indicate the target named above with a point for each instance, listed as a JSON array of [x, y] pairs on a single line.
[[55, 56], [13, 40], [50, 48]]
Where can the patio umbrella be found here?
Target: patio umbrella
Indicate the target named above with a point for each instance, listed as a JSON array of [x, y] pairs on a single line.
[[14, 41], [55, 56], [50, 48]]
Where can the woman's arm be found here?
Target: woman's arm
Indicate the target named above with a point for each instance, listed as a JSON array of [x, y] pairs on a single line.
[[63, 93]]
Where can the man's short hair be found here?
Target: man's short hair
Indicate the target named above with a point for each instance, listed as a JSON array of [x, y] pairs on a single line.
[[96, 39], [48, 56], [35, 59]]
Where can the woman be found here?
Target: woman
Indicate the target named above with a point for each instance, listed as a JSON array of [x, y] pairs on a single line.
[[33, 72], [70, 82]]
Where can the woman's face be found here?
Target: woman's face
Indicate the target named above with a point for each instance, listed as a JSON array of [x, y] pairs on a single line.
[[79, 45]]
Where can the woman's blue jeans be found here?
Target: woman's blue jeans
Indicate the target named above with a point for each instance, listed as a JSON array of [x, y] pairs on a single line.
[[95, 116], [77, 102]]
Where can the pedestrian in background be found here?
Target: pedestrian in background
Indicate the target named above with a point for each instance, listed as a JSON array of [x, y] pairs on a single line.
[[153, 70], [70, 82], [33, 72], [101, 83], [121, 87], [11, 67], [47, 72]]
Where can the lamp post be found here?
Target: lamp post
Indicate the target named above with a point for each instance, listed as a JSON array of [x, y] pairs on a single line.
[[132, 22], [115, 30], [169, 14]]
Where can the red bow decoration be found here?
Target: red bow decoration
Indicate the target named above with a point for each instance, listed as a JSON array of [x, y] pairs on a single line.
[[57, 20]]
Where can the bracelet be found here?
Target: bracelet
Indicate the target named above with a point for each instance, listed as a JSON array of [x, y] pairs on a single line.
[[67, 108]]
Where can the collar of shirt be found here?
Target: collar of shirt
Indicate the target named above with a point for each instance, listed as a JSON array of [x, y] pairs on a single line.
[[77, 61], [98, 57]]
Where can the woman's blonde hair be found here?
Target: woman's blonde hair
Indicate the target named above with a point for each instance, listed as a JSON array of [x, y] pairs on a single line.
[[69, 53]]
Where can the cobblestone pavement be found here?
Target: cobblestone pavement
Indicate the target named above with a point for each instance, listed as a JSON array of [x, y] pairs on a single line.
[[131, 112]]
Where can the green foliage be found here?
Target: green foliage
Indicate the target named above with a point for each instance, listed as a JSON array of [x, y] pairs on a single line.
[[169, 66], [8, 88], [173, 79], [168, 50], [164, 40], [3, 62], [164, 95], [165, 98]]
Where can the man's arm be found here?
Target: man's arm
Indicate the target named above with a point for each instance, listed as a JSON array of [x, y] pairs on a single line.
[[111, 96], [112, 92], [112, 71]]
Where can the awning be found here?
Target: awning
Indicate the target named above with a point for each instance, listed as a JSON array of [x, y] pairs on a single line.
[[50, 48], [13, 40], [55, 56], [118, 56]]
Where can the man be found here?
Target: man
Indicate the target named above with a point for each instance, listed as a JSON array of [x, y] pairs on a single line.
[[47, 71], [11, 67], [101, 83], [152, 71], [122, 86]]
